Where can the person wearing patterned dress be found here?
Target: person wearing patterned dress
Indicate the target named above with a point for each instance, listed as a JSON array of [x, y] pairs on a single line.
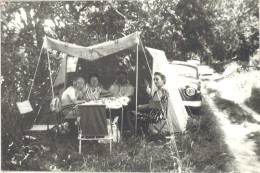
[[145, 114], [94, 90]]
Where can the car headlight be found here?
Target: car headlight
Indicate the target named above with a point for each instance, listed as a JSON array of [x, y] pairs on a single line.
[[190, 91]]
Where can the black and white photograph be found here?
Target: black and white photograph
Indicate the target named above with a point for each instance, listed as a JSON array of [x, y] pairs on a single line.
[[130, 86]]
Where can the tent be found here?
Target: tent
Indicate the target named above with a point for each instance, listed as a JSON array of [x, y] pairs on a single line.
[[177, 115]]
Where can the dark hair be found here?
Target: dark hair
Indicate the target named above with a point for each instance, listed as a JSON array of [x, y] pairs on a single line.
[[122, 72], [163, 77], [93, 75]]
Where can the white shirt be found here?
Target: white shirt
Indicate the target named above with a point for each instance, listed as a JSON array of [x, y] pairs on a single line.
[[68, 96], [125, 90]]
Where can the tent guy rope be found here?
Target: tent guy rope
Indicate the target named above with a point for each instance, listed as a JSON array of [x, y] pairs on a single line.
[[172, 138]]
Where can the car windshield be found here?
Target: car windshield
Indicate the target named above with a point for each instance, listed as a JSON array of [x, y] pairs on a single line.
[[184, 71]]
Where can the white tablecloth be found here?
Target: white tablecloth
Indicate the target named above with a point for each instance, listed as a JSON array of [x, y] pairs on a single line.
[[110, 102]]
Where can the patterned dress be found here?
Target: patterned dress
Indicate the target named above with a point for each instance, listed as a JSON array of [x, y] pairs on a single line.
[[93, 93], [145, 117]]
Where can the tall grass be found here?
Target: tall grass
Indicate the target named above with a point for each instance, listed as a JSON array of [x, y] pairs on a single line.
[[254, 100], [203, 145], [239, 85], [201, 148]]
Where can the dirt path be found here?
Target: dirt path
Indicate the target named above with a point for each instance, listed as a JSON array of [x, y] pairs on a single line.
[[238, 135]]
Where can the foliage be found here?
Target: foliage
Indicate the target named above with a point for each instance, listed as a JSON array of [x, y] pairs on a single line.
[[256, 137], [235, 28], [201, 147], [184, 29], [203, 144], [254, 100]]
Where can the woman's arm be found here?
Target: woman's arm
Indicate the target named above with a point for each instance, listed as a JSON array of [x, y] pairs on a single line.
[[148, 88], [105, 93], [143, 107]]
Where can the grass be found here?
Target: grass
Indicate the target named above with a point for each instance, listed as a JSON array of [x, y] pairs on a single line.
[[256, 137], [201, 148], [204, 144], [239, 85], [234, 111], [254, 100], [236, 114]]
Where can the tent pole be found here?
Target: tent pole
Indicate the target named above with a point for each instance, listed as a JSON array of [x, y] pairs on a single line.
[[65, 80], [49, 64], [136, 93], [35, 72]]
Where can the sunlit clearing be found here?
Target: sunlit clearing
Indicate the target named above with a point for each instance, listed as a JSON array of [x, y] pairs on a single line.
[[16, 23], [48, 23], [72, 64], [32, 13], [23, 15]]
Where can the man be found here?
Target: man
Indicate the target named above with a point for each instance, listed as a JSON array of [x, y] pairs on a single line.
[[73, 95], [122, 87]]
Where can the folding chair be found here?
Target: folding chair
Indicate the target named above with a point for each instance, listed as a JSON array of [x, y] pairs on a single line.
[[24, 108], [93, 124], [163, 106], [61, 112]]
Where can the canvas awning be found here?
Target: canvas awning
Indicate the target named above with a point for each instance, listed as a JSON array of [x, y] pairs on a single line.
[[95, 52], [177, 114]]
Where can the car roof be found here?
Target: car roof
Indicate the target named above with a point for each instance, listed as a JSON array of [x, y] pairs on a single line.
[[183, 63]]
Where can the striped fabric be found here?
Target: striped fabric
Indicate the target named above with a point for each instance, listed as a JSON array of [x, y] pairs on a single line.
[[93, 93]]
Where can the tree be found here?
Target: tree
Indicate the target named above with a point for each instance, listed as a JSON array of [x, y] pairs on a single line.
[[235, 28], [184, 29]]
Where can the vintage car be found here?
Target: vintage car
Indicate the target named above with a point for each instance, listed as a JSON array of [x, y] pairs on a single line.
[[189, 85]]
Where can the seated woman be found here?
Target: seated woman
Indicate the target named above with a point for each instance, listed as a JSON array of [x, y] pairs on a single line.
[[146, 114], [94, 90]]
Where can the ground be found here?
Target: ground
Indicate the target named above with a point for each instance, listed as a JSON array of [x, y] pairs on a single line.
[[233, 99], [201, 148], [224, 137]]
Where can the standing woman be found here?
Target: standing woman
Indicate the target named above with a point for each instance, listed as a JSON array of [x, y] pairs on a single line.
[[145, 114], [94, 89]]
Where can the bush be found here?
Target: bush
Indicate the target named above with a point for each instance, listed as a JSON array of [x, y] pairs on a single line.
[[201, 148], [254, 100], [218, 67]]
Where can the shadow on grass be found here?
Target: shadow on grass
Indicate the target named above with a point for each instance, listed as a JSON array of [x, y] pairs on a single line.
[[254, 100], [236, 114], [201, 148], [203, 145], [256, 137]]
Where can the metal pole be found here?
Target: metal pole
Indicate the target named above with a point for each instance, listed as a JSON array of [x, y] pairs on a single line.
[[136, 94], [122, 119], [50, 73], [65, 80]]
